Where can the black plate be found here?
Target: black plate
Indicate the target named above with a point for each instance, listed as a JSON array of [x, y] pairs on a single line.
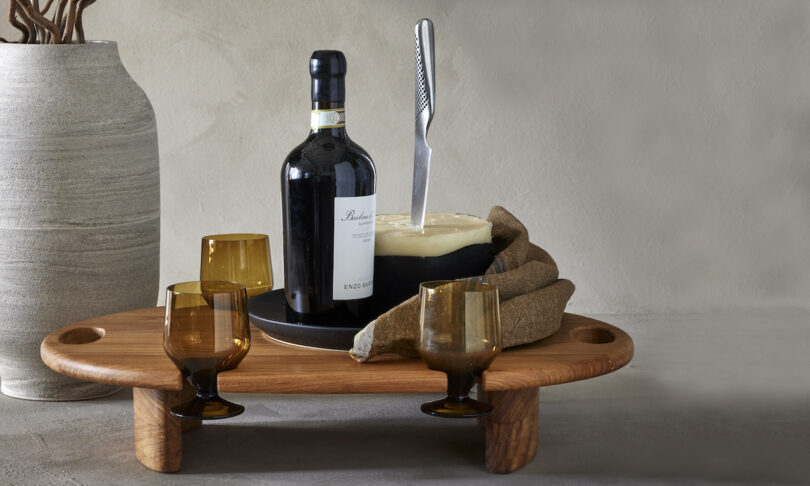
[[269, 312]]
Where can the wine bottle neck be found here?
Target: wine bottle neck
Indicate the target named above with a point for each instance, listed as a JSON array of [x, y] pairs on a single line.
[[328, 105], [328, 116]]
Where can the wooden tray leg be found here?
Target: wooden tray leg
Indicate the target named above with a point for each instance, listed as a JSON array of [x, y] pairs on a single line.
[[511, 429], [158, 441]]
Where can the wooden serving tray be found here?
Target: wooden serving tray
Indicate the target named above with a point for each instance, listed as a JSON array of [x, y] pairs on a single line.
[[127, 349]]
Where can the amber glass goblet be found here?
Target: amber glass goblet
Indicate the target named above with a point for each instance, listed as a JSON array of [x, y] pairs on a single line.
[[206, 331], [238, 257], [460, 334]]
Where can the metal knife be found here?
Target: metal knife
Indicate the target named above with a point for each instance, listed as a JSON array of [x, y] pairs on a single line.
[[425, 106]]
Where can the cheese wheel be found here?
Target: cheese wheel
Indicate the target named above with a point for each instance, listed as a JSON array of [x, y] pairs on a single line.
[[443, 233]]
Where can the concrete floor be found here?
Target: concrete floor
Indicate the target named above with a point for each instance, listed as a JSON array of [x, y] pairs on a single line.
[[707, 400]]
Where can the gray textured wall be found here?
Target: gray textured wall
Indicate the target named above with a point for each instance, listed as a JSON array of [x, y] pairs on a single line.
[[659, 150]]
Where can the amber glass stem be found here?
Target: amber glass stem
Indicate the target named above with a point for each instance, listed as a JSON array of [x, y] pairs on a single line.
[[205, 381], [459, 385]]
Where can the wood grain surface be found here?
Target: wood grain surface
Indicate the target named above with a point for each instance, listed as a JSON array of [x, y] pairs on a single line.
[[130, 353], [158, 434], [511, 430]]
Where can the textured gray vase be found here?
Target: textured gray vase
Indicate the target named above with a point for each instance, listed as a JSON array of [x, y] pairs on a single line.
[[79, 204]]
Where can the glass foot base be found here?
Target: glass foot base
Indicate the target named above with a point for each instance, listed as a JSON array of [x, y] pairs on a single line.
[[211, 409], [452, 408]]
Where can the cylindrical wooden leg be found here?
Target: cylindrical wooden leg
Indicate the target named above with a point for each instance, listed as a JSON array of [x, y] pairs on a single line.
[[158, 442], [512, 429]]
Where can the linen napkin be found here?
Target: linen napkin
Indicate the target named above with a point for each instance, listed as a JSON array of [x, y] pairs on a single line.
[[532, 296]]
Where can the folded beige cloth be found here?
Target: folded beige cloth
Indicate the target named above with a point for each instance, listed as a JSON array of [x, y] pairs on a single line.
[[531, 295]]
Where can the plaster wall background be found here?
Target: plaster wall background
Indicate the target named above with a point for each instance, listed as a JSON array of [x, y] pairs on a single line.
[[659, 150]]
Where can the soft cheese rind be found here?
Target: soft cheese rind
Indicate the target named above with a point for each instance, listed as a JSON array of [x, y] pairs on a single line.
[[443, 233]]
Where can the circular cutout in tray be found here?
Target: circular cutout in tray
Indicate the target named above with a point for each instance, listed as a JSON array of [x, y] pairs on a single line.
[[269, 312]]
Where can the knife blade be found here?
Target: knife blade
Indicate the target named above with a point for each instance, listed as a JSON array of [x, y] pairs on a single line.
[[425, 94]]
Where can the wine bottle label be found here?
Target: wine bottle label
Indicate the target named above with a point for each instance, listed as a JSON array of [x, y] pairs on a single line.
[[327, 119], [353, 272]]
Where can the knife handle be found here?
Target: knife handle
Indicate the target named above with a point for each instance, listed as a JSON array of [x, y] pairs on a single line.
[[425, 70]]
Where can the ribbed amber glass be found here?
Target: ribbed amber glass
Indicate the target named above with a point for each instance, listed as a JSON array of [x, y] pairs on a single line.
[[460, 334], [206, 331], [238, 257]]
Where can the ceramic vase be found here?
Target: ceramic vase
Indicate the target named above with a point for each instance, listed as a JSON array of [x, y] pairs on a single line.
[[79, 204]]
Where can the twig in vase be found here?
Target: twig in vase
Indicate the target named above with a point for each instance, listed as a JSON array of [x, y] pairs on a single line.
[[12, 18], [79, 27], [29, 24], [40, 30], [59, 20], [32, 21], [71, 22], [38, 18], [46, 36]]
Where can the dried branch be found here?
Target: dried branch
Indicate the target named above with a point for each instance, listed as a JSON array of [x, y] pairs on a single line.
[[32, 20], [79, 27], [40, 29], [37, 17], [71, 22], [61, 29], [26, 19], [12, 18], [44, 12], [59, 18]]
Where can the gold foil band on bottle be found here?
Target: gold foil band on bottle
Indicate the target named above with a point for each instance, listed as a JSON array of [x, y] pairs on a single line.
[[327, 119]]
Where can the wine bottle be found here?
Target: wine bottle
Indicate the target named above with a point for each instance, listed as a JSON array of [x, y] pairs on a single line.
[[328, 198]]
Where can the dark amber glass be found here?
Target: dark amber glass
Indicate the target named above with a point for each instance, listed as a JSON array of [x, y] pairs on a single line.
[[460, 334], [238, 257], [206, 331]]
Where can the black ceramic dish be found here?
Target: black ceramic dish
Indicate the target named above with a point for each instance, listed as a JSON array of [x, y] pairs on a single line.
[[269, 312], [396, 278]]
